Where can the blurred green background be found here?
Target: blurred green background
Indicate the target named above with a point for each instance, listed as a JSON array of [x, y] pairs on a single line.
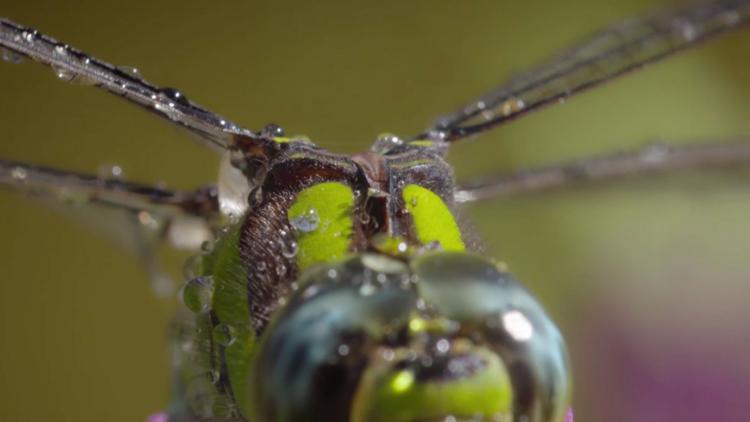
[[648, 279]]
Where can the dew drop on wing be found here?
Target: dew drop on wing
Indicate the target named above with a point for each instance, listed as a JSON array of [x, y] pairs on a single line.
[[29, 36], [110, 172], [19, 173], [174, 96], [130, 70]]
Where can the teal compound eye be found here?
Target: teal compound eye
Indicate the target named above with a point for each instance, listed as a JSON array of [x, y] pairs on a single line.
[[447, 337]]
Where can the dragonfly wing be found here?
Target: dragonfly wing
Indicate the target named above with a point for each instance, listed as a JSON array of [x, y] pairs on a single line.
[[612, 52], [73, 65], [138, 216]]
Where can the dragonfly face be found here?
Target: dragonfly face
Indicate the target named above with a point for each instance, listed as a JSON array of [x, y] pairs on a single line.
[[539, 250]]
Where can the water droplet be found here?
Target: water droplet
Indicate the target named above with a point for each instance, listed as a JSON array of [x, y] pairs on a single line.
[[233, 188], [272, 130], [197, 294], [364, 217], [60, 50], [685, 29], [29, 36], [174, 97], [110, 172], [332, 273], [146, 220], [19, 173], [387, 354], [214, 376], [437, 135], [11, 56], [343, 350], [306, 222], [64, 74], [401, 183], [224, 334], [289, 248], [443, 345], [387, 143], [281, 270], [130, 70], [511, 105]]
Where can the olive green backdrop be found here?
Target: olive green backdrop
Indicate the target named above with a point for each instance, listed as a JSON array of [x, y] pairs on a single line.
[[82, 338]]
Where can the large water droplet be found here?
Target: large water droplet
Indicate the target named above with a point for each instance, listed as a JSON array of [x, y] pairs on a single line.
[[306, 222], [60, 50], [174, 96], [387, 143], [64, 74], [224, 334], [197, 294], [233, 189], [272, 130]]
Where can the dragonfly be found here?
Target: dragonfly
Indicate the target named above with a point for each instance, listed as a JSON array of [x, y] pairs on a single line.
[[149, 202]]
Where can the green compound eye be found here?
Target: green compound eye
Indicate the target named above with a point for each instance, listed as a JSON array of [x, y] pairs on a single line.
[[374, 339]]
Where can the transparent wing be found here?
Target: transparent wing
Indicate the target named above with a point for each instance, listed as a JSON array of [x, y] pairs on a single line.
[[138, 217], [79, 188], [74, 66], [616, 50], [654, 158]]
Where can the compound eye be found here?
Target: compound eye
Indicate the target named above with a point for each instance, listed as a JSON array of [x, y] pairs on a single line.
[[496, 311], [312, 355]]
